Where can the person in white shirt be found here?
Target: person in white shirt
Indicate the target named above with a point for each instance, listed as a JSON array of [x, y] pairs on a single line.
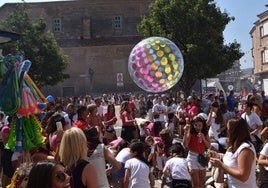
[[159, 113], [239, 161], [217, 127], [254, 123], [71, 112], [98, 102], [263, 161], [137, 172], [176, 167]]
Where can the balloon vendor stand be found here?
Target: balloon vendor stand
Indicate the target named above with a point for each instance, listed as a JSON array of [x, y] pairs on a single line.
[[21, 99]]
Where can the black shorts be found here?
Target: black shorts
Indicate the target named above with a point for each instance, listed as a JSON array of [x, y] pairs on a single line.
[[181, 183], [127, 132]]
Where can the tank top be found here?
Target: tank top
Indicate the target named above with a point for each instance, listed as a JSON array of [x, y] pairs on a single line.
[[98, 161], [195, 145], [76, 174], [230, 159]]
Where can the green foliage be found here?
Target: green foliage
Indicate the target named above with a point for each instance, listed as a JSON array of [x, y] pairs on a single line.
[[38, 45], [196, 27]]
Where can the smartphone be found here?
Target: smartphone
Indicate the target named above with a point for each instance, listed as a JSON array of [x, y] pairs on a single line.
[[59, 126]]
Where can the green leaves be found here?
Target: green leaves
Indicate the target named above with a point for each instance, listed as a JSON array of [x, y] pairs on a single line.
[[196, 27], [38, 45]]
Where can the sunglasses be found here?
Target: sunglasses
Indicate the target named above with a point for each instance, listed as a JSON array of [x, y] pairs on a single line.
[[61, 176]]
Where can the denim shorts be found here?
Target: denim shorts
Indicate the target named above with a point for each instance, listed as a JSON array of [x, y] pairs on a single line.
[[193, 161], [119, 174]]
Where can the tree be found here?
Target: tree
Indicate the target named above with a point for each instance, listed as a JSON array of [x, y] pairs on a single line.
[[38, 45], [196, 27]]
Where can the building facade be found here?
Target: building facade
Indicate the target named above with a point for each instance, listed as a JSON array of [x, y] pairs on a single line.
[[97, 36], [230, 79], [259, 35]]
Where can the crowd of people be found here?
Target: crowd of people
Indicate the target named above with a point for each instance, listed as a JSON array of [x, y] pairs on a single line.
[[169, 138]]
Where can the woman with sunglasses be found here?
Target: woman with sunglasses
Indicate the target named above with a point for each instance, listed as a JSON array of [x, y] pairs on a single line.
[[48, 174]]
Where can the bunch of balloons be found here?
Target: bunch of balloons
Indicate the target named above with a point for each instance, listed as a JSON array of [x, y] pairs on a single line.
[[155, 64]]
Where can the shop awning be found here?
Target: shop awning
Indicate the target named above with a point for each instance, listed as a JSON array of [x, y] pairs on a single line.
[[8, 36]]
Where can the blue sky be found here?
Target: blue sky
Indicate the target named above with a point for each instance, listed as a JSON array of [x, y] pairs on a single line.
[[245, 13]]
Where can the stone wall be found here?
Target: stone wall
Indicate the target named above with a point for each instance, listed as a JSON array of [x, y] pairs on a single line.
[[97, 50]]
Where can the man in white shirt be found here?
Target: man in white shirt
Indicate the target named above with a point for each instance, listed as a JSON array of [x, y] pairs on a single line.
[[98, 102], [254, 123], [159, 112]]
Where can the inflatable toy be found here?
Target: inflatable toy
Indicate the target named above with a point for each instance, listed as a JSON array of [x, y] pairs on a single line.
[[155, 64]]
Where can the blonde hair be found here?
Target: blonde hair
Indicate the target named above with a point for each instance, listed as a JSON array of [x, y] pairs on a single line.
[[144, 124], [73, 146], [123, 106], [91, 108]]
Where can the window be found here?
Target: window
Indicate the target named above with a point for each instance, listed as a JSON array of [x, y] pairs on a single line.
[[264, 55], [117, 22], [57, 25], [264, 29]]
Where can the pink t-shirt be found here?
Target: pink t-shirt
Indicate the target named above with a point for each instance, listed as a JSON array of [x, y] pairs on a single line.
[[132, 105], [108, 117], [129, 117], [193, 110], [150, 127]]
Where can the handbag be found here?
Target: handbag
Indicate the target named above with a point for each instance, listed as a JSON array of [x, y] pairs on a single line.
[[109, 136], [202, 159], [217, 174], [259, 143]]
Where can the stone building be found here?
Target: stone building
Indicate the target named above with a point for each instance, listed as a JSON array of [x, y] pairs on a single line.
[[259, 34], [230, 79], [97, 36]]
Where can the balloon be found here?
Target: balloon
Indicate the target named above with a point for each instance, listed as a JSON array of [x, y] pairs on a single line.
[[50, 98], [41, 116], [155, 64], [41, 105]]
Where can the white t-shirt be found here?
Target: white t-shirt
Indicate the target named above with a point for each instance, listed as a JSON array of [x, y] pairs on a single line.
[[213, 129], [100, 110], [253, 121], [123, 155], [139, 177], [159, 108], [170, 126], [178, 168], [264, 152], [230, 159]]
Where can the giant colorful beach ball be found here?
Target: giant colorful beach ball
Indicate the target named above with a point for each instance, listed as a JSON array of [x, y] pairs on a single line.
[[155, 64]]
